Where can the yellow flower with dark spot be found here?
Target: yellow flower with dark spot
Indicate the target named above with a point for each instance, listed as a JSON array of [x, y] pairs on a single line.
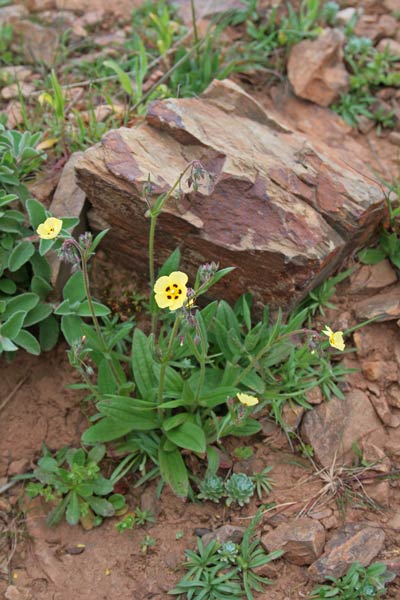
[[335, 338], [49, 229], [247, 399], [171, 291]]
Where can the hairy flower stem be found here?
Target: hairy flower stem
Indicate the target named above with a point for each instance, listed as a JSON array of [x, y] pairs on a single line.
[[165, 360], [203, 356], [154, 211], [84, 262]]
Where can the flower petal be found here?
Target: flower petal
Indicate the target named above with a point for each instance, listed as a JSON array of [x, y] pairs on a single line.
[[327, 331], [247, 400], [161, 284], [178, 303], [162, 300], [178, 277]]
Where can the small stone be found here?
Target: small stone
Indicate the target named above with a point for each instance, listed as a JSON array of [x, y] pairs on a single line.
[[15, 73], [372, 277], [302, 540], [292, 415], [394, 138], [379, 492], [375, 455], [321, 514], [372, 369], [382, 408], [17, 467], [344, 16], [394, 522], [332, 427], [364, 124], [314, 396], [10, 14], [384, 306], [9, 92], [392, 5], [389, 44], [376, 28], [225, 533], [74, 550], [316, 70], [150, 502], [40, 44], [115, 39], [353, 542], [14, 114], [393, 395], [4, 505], [15, 593], [202, 531]]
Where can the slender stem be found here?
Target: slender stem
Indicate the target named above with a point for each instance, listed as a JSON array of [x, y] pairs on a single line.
[[195, 32], [202, 362], [166, 358], [84, 262]]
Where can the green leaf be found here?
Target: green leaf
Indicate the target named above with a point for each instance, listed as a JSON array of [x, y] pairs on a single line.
[[69, 223], [105, 378], [97, 240], [46, 245], [97, 453], [7, 286], [71, 326], [249, 427], [102, 486], [40, 286], [13, 325], [20, 255], [36, 211], [28, 342], [173, 382], [74, 289], [217, 396], [106, 430], [48, 333], [7, 345], [123, 77], [188, 436], [174, 421], [4, 200], [101, 506], [122, 408], [37, 314], [56, 514], [24, 302], [101, 310], [41, 266], [173, 471], [118, 501], [73, 511], [171, 264], [371, 256], [142, 365]]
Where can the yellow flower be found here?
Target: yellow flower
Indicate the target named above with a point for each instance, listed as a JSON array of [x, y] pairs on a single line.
[[49, 229], [171, 291], [248, 400], [335, 338]]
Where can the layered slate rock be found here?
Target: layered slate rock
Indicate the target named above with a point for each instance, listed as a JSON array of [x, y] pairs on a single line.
[[281, 211]]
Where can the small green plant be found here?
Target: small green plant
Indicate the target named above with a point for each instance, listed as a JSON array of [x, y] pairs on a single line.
[[211, 488], [147, 544], [370, 70], [26, 318], [263, 483], [226, 571], [389, 247], [239, 488], [320, 297], [6, 36], [127, 522], [243, 452], [73, 482], [359, 583]]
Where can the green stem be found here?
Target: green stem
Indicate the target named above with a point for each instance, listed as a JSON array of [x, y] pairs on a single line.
[[195, 32], [202, 364], [166, 358]]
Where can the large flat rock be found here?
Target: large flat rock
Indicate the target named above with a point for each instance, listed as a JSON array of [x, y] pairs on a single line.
[[282, 212]]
